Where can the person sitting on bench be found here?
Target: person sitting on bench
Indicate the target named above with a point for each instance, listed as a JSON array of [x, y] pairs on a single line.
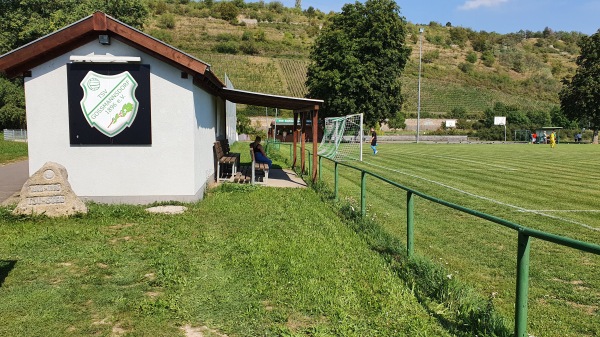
[[259, 153]]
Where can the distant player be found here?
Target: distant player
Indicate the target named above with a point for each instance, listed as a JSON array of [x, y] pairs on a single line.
[[374, 141], [553, 139]]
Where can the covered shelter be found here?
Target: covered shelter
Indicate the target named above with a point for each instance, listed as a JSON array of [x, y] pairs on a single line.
[[546, 130], [281, 130], [304, 109], [132, 118]]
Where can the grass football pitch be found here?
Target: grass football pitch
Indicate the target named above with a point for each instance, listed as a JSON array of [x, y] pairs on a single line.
[[553, 190]]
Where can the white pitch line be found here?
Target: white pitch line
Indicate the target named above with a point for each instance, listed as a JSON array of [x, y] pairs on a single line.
[[518, 208]]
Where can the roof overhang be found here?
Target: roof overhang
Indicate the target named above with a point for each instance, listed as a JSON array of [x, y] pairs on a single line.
[[549, 128], [271, 101], [44, 49], [17, 62]]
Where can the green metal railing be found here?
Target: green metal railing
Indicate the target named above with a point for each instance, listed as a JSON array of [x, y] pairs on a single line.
[[270, 144], [524, 235]]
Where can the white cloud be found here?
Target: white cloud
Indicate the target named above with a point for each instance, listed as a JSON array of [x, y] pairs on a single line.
[[474, 4]]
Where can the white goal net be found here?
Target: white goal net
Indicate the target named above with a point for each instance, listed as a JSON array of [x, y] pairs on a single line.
[[342, 138]]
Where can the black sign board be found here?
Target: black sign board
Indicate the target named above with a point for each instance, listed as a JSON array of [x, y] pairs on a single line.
[[109, 104]]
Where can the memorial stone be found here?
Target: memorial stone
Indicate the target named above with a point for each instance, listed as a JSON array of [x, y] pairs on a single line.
[[48, 192]]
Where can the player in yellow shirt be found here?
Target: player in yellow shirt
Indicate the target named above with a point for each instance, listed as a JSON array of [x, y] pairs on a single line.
[[553, 139]]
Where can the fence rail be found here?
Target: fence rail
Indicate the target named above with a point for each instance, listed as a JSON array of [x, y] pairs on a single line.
[[524, 234], [15, 134]]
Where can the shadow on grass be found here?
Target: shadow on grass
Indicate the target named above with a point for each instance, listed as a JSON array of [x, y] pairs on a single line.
[[6, 266]]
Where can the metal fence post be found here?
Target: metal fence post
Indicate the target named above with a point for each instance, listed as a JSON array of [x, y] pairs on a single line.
[[320, 167], [335, 182], [363, 193], [309, 162], [522, 285], [410, 218]]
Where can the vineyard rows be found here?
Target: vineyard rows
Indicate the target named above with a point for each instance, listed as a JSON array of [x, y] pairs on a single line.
[[287, 77], [294, 74]]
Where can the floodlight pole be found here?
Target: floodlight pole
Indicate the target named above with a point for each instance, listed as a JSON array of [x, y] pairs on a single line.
[[421, 30]]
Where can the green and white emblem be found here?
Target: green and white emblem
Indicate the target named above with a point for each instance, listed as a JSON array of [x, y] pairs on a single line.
[[109, 102]]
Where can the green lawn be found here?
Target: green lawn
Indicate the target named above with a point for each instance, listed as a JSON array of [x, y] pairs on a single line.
[[250, 261], [11, 151], [245, 261], [554, 190]]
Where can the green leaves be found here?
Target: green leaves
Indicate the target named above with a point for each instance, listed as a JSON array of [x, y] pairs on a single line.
[[357, 61], [12, 105], [580, 96], [24, 21]]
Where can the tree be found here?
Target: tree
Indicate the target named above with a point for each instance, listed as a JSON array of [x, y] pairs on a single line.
[[512, 113], [12, 104], [27, 20], [580, 96], [458, 113], [226, 10], [24, 21], [397, 122], [357, 60]]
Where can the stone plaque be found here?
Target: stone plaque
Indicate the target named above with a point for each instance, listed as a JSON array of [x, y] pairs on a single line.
[[48, 192]]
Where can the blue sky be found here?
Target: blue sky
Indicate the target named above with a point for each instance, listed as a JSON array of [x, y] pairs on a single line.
[[501, 16]]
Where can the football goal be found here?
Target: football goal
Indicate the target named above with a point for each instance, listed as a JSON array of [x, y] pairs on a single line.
[[342, 138]]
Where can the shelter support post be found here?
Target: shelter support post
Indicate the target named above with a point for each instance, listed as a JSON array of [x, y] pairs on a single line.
[[295, 139], [302, 143], [315, 139]]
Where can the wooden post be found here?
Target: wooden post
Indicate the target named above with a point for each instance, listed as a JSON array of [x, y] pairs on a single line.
[[303, 142], [315, 140], [294, 138]]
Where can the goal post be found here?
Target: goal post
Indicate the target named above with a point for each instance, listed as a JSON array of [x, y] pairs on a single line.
[[342, 138]]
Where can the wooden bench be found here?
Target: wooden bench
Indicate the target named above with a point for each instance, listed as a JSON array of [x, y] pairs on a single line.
[[232, 159], [226, 148], [258, 167]]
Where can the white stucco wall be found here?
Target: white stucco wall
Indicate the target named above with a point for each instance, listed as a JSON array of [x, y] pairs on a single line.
[[176, 166]]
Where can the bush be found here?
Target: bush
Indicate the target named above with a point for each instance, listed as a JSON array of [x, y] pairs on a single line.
[[472, 57], [247, 36], [431, 56], [226, 11], [162, 35], [226, 37], [260, 36], [464, 124], [488, 58], [437, 40], [459, 36], [466, 67], [249, 48], [458, 112], [229, 47], [167, 20], [243, 125]]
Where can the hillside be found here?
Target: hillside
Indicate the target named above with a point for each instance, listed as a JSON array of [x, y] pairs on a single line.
[[461, 68]]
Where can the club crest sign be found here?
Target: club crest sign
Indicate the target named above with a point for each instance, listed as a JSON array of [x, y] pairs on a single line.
[[109, 103]]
